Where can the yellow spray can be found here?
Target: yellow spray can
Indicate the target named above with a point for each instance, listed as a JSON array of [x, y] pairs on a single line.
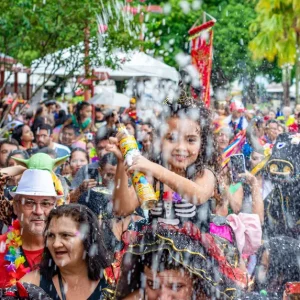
[[143, 188]]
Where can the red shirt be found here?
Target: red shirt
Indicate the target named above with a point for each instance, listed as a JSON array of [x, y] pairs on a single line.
[[33, 258]]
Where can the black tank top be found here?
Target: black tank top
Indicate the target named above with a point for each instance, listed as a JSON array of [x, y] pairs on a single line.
[[50, 289]]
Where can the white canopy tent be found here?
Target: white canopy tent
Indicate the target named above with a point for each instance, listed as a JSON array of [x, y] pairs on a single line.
[[139, 64], [132, 64], [278, 88], [60, 63], [111, 98], [35, 79]]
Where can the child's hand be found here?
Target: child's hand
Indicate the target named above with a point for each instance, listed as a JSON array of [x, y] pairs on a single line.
[[113, 146], [119, 136], [87, 184], [141, 164]]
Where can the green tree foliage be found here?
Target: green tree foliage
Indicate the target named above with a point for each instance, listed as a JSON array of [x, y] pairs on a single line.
[[276, 35], [30, 29], [167, 34], [275, 30], [231, 37], [123, 29]]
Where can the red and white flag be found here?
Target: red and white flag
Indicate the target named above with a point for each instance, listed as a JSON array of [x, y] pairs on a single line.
[[201, 52]]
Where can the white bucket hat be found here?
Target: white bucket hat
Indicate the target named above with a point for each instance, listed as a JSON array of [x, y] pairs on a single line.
[[36, 183]]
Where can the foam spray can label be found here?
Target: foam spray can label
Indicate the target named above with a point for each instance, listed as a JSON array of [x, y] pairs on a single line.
[[143, 188]]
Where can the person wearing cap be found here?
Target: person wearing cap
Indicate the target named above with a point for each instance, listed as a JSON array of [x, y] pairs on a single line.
[[22, 246], [131, 110], [132, 103], [237, 120]]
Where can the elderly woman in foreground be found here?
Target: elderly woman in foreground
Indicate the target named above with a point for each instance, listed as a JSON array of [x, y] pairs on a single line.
[[74, 256]]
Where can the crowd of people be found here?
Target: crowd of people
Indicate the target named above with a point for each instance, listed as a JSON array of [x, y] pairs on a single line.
[[72, 218]]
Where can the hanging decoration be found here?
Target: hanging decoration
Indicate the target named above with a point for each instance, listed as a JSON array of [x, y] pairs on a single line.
[[201, 38]]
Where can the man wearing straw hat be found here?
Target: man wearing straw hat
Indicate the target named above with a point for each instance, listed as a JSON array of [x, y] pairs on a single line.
[[22, 246]]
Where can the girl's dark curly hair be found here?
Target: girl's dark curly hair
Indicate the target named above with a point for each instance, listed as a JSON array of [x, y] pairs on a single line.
[[97, 255], [187, 107]]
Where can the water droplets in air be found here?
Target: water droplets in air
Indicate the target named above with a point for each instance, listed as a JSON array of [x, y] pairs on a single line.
[[185, 6], [196, 4], [167, 8]]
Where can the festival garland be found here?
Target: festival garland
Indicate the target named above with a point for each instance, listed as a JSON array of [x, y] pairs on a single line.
[[15, 268]]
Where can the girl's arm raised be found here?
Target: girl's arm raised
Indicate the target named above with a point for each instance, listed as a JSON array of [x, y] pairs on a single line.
[[232, 193], [125, 200], [257, 201], [197, 192]]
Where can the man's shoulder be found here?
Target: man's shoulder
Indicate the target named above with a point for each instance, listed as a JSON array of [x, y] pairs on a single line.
[[61, 147]]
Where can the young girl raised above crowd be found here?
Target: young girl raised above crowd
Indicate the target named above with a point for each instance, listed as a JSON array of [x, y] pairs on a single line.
[[182, 174]]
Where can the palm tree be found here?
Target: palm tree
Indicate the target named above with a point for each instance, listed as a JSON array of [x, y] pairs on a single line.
[[277, 36]]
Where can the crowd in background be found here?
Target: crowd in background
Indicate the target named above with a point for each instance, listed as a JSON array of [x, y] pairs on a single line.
[[208, 237]]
